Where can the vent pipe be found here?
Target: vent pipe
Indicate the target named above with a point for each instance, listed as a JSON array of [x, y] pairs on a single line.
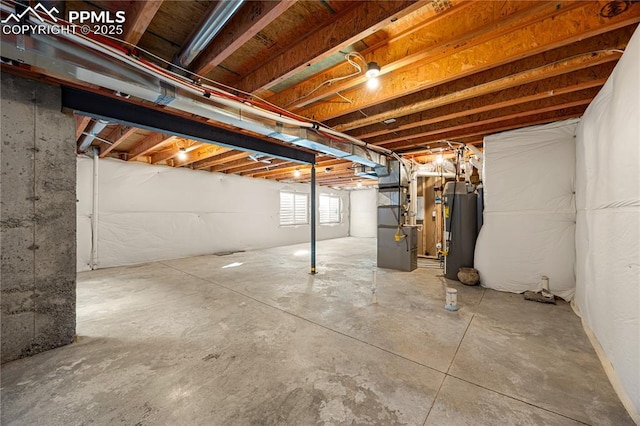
[[213, 23]]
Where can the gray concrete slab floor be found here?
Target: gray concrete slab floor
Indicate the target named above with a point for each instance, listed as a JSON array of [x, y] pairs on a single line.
[[252, 338]]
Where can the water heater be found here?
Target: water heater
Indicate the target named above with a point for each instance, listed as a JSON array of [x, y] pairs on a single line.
[[460, 212]]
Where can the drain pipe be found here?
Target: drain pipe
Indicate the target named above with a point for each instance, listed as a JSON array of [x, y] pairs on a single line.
[[413, 194], [94, 210], [98, 127], [217, 18]]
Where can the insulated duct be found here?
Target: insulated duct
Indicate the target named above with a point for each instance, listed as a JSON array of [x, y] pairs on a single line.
[[430, 170], [81, 59]]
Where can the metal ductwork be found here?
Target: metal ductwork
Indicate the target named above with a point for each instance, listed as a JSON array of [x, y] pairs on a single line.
[[97, 127], [211, 26], [83, 60], [365, 172]]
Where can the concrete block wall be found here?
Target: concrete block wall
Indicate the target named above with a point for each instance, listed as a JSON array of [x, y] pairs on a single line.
[[37, 218]]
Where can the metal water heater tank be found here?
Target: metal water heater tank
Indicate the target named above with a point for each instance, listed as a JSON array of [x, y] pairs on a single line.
[[460, 208]]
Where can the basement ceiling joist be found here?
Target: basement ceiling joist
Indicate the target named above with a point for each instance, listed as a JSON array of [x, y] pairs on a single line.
[[450, 70], [110, 109]]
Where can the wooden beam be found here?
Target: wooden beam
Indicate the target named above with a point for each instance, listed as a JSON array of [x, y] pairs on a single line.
[[164, 155], [305, 173], [288, 169], [351, 25], [148, 144], [440, 129], [139, 17], [588, 78], [468, 24], [82, 121], [250, 20], [220, 159], [173, 151], [240, 166], [202, 152], [123, 133], [351, 183], [419, 143], [562, 29], [535, 68]]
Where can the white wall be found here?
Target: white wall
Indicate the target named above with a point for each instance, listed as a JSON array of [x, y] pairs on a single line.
[[149, 213], [529, 210], [608, 224], [364, 213]]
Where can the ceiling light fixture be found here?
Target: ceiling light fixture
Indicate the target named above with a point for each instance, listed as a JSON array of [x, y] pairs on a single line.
[[182, 153], [359, 184], [373, 71], [296, 173], [327, 170], [439, 159]]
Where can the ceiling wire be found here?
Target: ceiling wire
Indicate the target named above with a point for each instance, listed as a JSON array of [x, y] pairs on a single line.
[[355, 54], [201, 77], [344, 97], [333, 80]]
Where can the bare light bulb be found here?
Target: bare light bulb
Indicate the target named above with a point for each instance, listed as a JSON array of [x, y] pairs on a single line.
[[373, 83], [296, 173], [373, 70], [439, 159], [359, 184], [182, 154]]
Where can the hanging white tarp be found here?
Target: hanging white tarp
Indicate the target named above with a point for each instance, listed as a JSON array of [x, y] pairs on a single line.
[[608, 223], [529, 215], [150, 213]]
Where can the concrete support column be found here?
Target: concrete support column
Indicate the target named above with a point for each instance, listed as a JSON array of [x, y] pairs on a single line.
[[37, 218]]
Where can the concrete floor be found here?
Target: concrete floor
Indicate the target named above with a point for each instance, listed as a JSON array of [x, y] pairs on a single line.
[[198, 341]]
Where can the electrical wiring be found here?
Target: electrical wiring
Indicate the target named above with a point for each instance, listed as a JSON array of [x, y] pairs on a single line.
[[109, 46], [306, 123], [263, 102], [333, 80]]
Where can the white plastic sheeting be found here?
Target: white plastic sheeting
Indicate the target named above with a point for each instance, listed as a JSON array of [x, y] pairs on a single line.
[[150, 213], [608, 223], [529, 216], [364, 213]]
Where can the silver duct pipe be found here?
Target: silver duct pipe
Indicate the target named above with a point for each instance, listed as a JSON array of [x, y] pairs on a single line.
[[97, 127], [82, 59], [217, 18]]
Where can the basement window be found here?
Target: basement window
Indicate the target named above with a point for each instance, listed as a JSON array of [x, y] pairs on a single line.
[[329, 209], [294, 208]]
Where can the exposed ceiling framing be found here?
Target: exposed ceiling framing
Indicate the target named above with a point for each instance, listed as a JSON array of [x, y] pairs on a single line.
[[451, 70]]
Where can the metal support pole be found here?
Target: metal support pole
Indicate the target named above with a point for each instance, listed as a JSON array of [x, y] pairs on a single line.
[[94, 210], [313, 219]]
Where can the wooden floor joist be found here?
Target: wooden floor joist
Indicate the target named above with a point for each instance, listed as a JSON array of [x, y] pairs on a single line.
[[560, 30], [559, 61], [344, 30], [123, 133], [445, 127], [466, 24], [243, 26], [410, 146], [588, 78], [219, 159], [150, 143]]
